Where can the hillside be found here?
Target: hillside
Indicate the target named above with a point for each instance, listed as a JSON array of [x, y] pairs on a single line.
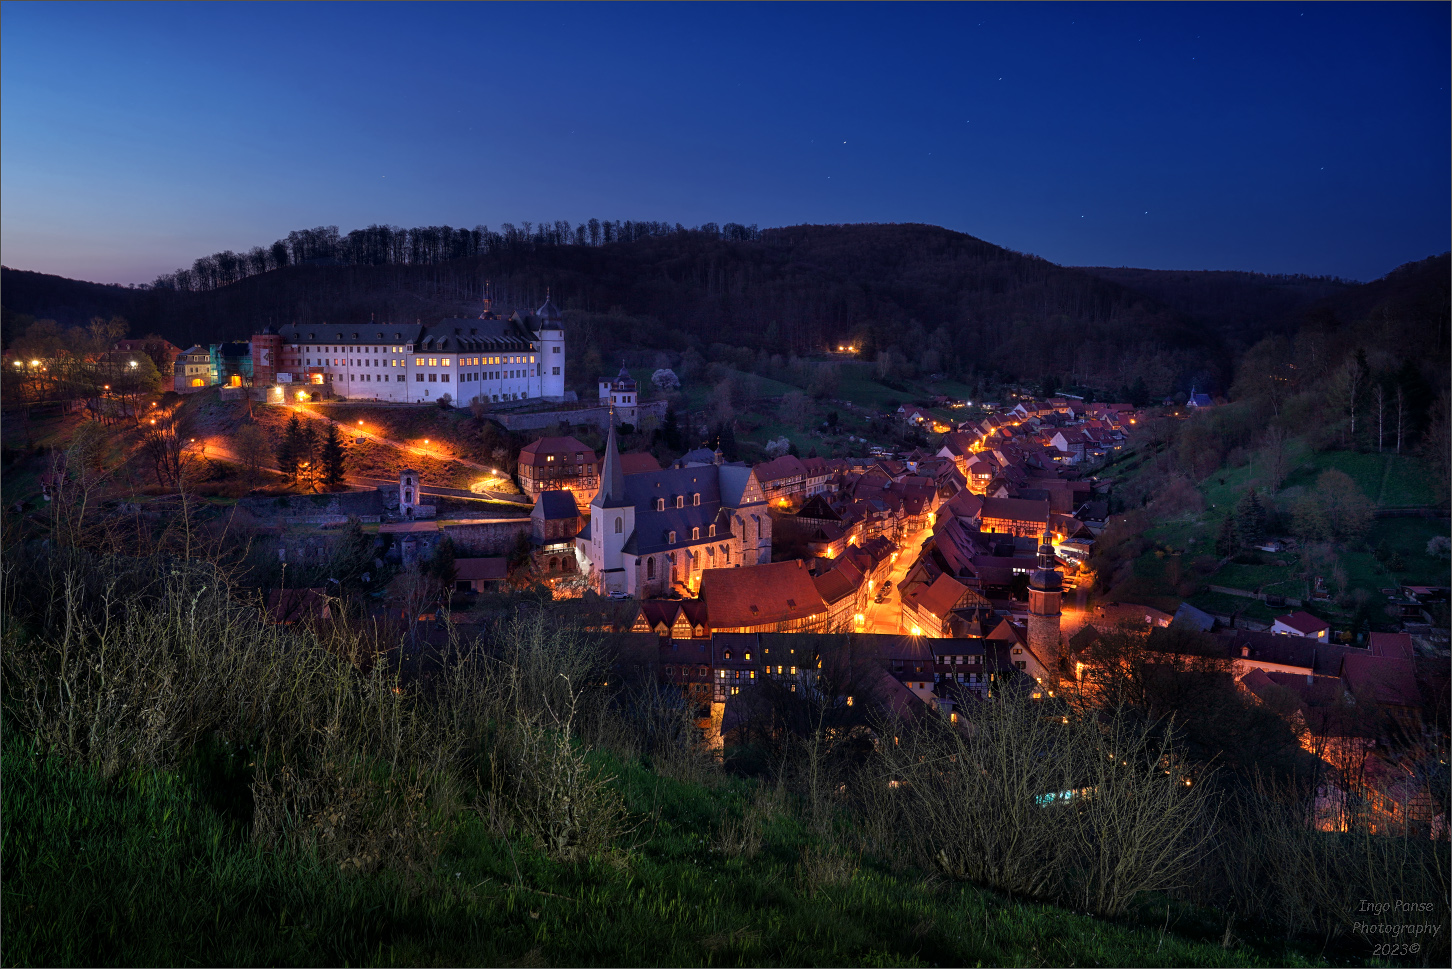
[[943, 300], [1238, 305]]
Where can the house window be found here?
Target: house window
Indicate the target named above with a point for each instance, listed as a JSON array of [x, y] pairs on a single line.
[[650, 568]]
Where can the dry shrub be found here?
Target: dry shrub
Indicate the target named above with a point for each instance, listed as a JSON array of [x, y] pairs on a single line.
[[743, 837], [1089, 807], [1272, 865], [825, 866]]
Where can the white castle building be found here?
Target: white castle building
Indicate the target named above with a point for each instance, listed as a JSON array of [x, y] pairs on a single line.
[[656, 531], [492, 358]]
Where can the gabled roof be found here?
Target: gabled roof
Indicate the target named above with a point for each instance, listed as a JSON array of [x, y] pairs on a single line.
[[1016, 509], [557, 505], [760, 594], [939, 598], [785, 466], [839, 582], [1392, 645], [536, 451], [638, 462], [1304, 623], [1380, 679]]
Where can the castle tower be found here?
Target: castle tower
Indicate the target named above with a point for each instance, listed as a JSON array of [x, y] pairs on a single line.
[[1046, 594], [551, 339], [408, 496]]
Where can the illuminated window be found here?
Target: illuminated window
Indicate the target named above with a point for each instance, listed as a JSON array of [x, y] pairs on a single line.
[[445, 362], [418, 361]]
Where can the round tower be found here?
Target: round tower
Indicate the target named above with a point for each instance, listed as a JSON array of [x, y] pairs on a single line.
[[1046, 594], [551, 339]]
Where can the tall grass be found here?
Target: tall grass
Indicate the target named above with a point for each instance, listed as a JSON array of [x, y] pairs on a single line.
[[291, 790]]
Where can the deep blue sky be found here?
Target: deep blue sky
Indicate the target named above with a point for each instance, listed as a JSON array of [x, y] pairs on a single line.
[[1281, 137]]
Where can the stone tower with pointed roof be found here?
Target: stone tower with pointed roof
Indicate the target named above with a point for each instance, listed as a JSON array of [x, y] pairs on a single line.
[[1046, 592]]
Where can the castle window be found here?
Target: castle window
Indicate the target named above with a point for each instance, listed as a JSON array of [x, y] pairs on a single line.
[[619, 525]]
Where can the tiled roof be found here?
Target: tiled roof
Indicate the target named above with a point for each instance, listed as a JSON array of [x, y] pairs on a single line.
[[939, 598], [1392, 645], [1380, 679], [535, 452], [1303, 622], [785, 466], [638, 462], [760, 594]]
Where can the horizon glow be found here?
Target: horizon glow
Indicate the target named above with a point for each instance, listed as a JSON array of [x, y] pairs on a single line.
[[1278, 138]]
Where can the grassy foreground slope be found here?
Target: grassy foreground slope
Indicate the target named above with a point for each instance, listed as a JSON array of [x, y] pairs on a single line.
[[158, 869]]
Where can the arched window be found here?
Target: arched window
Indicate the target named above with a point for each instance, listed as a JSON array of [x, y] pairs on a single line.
[[670, 538], [660, 504], [696, 498], [695, 534], [619, 525], [554, 563], [711, 531], [650, 568], [680, 501]]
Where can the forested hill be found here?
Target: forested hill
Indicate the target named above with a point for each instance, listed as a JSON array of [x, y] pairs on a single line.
[[1241, 306], [940, 300]]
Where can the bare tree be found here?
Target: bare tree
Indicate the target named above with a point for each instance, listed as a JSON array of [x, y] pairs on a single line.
[[1379, 395], [1401, 409]]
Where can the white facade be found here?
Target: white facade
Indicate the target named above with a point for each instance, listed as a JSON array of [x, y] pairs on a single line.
[[490, 358]]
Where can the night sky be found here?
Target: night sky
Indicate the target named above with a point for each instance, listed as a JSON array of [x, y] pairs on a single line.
[[1280, 137]]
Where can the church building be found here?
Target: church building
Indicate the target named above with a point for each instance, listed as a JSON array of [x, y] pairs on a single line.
[[657, 531]]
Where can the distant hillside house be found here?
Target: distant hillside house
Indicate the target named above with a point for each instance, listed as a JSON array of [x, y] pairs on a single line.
[[622, 395], [490, 358], [1302, 624], [193, 371]]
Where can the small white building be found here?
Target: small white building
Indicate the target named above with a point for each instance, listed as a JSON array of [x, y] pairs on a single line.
[[1302, 624]]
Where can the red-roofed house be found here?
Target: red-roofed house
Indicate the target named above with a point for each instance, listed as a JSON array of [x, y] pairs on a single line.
[[780, 597], [1015, 516], [1302, 624]]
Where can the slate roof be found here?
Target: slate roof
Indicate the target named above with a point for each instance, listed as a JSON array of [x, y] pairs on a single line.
[[652, 527], [557, 505]]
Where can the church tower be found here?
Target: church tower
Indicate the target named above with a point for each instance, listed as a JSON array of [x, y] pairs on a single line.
[[1046, 593], [612, 522]]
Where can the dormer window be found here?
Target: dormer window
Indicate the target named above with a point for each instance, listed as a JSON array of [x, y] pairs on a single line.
[[671, 538], [680, 501], [748, 656], [728, 654], [695, 534], [660, 504], [711, 531], [696, 498]]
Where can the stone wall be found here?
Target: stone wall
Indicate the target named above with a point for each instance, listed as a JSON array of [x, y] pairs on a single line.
[[651, 414]]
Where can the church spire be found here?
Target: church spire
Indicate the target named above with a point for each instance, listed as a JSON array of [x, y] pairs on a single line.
[[612, 478]]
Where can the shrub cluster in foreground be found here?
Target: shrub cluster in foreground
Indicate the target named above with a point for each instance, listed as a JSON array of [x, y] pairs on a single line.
[[286, 774]]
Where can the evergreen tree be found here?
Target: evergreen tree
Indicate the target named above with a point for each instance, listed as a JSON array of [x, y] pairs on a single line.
[[1225, 543], [670, 430], [726, 442], [792, 449], [287, 448], [333, 455], [1250, 519], [441, 566]]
